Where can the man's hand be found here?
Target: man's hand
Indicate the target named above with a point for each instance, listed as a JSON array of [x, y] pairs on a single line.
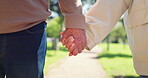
[[74, 39]]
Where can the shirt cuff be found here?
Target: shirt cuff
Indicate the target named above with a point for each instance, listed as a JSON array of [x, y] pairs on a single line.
[[90, 42], [75, 21]]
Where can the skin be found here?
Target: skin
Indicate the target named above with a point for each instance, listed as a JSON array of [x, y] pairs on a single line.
[[74, 40]]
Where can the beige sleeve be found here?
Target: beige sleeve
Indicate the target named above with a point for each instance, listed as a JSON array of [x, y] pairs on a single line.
[[72, 11], [101, 19]]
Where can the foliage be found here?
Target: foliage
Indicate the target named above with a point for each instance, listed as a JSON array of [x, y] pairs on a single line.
[[117, 61], [55, 24], [54, 6], [118, 34], [54, 27]]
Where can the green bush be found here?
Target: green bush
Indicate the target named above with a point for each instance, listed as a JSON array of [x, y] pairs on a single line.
[[118, 34], [54, 27]]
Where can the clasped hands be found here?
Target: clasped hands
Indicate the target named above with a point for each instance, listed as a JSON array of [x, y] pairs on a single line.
[[74, 40]]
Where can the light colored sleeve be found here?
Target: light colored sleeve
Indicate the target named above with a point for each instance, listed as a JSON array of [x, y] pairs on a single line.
[[72, 11], [101, 19]]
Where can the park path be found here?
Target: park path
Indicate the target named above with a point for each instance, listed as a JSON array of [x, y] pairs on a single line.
[[84, 65]]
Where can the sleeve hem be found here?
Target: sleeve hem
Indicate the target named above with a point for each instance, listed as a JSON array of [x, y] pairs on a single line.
[[75, 21], [90, 42]]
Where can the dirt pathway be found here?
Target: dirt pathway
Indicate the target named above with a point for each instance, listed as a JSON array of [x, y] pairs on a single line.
[[84, 65]]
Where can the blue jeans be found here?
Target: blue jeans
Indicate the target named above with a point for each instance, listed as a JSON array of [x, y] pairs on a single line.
[[143, 76], [22, 54]]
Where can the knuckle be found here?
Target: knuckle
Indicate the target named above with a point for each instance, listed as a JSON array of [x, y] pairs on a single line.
[[70, 50]]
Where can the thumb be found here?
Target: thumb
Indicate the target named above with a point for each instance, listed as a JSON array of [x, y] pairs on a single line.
[[61, 33]]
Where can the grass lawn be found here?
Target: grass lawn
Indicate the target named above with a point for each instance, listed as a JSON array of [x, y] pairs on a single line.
[[53, 56], [117, 61]]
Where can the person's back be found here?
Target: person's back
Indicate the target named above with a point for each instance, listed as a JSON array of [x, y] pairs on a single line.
[[17, 15]]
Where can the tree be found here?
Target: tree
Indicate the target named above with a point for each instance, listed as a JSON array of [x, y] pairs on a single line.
[[117, 35], [54, 6], [53, 30], [55, 24]]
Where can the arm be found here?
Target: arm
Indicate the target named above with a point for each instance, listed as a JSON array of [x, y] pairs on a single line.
[[74, 23], [72, 11], [101, 19]]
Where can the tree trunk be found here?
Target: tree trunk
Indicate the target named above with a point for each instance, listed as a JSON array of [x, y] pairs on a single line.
[[108, 42], [55, 44]]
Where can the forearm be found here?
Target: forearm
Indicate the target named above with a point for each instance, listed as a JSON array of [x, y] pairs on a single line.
[[101, 19], [72, 11]]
